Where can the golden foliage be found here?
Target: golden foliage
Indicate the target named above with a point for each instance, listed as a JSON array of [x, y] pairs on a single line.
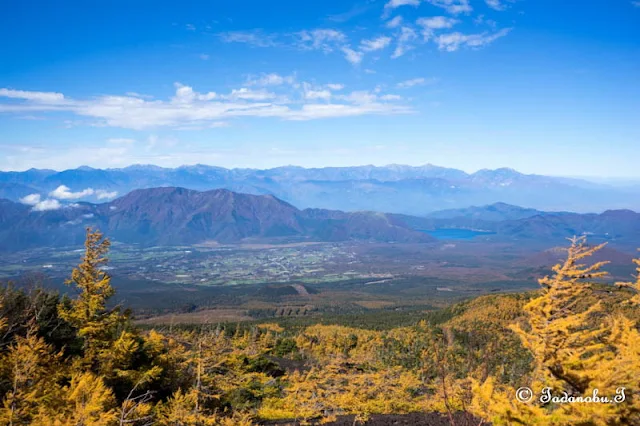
[[33, 370], [576, 349], [95, 323], [568, 337]]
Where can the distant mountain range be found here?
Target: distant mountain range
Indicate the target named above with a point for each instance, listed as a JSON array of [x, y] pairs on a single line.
[[517, 223], [179, 216], [394, 188]]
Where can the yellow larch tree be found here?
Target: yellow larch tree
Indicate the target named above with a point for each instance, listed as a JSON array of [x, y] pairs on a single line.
[[97, 325], [34, 370], [577, 348], [86, 401]]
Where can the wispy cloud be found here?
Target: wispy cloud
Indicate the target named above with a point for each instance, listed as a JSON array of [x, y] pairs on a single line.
[[316, 93], [393, 4], [324, 39], [495, 4], [204, 56], [255, 38], [375, 44], [394, 22], [482, 20], [454, 41], [334, 86], [636, 3], [251, 95], [352, 56], [431, 24], [501, 5], [355, 10], [191, 108], [403, 35], [270, 79], [43, 97], [138, 95], [453, 6], [404, 41], [420, 81]]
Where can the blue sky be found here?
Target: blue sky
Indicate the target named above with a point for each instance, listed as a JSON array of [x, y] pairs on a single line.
[[542, 86]]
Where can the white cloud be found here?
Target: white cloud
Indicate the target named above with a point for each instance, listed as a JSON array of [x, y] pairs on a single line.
[[390, 97], [31, 199], [392, 4], [429, 25], [185, 94], [495, 4], [324, 39], [188, 108], [138, 95], [318, 94], [453, 41], [253, 38], [47, 204], [64, 193], [334, 86], [271, 79], [251, 95], [437, 22], [453, 6], [190, 27], [311, 92], [40, 205], [481, 20], [102, 194], [375, 44], [410, 83], [352, 56], [404, 38], [395, 22], [500, 4], [44, 97], [360, 97]]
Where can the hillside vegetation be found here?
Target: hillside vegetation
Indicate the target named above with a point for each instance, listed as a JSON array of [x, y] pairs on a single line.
[[74, 361]]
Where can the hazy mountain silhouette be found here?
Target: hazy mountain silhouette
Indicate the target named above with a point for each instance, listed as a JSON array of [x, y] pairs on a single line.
[[394, 188]]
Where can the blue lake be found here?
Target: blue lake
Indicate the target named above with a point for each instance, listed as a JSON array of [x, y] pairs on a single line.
[[456, 234]]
